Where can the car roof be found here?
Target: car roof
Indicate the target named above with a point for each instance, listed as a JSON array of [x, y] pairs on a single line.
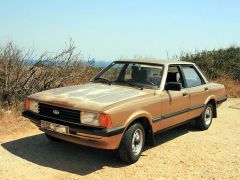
[[154, 61]]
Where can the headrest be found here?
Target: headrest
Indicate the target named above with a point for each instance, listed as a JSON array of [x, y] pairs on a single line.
[[143, 74], [135, 72]]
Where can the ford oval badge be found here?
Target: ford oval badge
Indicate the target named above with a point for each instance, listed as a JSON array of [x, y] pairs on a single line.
[[56, 112]]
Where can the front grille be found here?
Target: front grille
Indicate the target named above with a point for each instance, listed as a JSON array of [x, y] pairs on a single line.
[[60, 113]]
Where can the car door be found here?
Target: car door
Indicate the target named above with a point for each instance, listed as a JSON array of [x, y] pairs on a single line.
[[174, 104], [197, 89]]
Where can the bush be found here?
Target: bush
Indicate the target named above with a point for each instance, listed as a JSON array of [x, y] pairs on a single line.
[[221, 66], [217, 62], [22, 74]]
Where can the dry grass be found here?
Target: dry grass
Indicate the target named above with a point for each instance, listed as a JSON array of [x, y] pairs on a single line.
[[232, 86], [11, 120]]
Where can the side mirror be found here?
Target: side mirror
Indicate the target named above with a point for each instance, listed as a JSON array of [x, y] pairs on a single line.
[[174, 86]]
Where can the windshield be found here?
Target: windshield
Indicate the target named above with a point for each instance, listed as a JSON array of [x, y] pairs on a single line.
[[131, 74]]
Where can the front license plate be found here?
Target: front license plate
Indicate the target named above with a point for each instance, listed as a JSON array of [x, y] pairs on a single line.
[[54, 127]]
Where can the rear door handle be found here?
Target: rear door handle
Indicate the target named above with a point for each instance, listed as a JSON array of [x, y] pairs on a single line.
[[185, 93], [206, 89]]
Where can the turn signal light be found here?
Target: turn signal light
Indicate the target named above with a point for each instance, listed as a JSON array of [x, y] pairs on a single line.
[[105, 120], [27, 104]]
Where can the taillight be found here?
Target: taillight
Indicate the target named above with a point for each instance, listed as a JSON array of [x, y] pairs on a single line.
[[27, 104], [105, 120]]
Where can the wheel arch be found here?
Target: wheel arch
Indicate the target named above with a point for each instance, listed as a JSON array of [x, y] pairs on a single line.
[[213, 102], [145, 121]]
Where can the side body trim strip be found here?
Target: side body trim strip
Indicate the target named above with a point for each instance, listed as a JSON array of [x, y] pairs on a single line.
[[221, 100], [177, 113]]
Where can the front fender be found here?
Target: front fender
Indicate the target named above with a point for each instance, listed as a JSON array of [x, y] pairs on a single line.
[[138, 114]]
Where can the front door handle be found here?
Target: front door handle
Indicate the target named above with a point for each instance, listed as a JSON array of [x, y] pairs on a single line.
[[185, 94]]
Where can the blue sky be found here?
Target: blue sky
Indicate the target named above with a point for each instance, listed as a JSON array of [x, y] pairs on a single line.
[[111, 29]]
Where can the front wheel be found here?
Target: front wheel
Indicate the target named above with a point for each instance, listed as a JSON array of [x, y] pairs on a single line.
[[132, 143], [205, 120]]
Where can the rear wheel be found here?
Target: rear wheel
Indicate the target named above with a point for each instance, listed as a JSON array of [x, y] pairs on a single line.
[[132, 143], [51, 138], [205, 120]]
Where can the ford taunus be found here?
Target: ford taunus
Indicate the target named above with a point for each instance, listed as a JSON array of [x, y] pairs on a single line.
[[126, 104]]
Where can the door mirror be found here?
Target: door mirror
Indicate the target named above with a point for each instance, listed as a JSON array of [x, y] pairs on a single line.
[[174, 86]]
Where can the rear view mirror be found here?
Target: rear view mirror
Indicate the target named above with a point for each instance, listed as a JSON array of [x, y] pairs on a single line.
[[174, 86]]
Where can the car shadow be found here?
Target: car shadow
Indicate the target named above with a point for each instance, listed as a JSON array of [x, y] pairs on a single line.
[[171, 134], [75, 158]]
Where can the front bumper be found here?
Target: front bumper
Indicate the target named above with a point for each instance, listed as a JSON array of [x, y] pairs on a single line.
[[103, 138]]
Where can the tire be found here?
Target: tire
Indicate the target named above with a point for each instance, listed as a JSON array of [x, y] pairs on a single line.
[[132, 144], [51, 138], [205, 120]]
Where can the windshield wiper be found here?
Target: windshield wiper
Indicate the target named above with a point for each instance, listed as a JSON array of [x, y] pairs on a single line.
[[103, 80]]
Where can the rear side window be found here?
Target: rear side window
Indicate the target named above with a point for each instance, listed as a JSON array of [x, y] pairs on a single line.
[[191, 76]]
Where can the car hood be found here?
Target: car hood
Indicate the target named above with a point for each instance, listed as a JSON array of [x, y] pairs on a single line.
[[91, 96]]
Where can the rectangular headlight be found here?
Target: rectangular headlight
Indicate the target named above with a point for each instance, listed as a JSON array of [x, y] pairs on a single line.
[[96, 119], [90, 118]]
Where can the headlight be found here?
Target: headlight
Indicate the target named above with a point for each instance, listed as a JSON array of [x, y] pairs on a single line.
[[32, 105], [90, 118], [96, 119]]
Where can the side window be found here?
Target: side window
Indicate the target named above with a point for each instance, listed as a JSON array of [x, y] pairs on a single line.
[[191, 76], [174, 75]]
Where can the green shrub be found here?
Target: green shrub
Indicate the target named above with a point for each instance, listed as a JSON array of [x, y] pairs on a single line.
[[215, 63]]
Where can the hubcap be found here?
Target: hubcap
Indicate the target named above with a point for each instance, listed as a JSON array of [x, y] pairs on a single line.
[[208, 116], [137, 142]]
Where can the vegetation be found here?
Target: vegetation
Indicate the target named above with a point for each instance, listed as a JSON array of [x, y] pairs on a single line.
[[20, 75], [222, 65]]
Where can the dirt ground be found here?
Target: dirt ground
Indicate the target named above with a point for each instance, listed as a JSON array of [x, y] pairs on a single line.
[[181, 153]]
